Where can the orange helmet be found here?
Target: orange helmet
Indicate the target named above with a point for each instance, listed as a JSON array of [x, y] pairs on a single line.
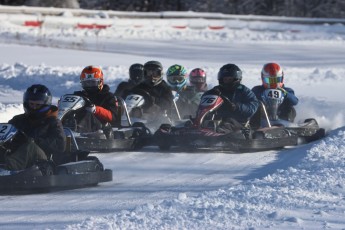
[[272, 76], [91, 79]]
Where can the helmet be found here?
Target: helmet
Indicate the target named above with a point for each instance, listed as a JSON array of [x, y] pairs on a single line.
[[37, 100], [177, 77], [153, 72], [272, 76], [197, 78], [136, 73], [229, 75], [91, 79]]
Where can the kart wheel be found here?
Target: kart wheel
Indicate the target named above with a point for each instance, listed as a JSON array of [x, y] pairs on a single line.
[[137, 133], [98, 165], [258, 135], [311, 122], [46, 168], [62, 171], [165, 127]]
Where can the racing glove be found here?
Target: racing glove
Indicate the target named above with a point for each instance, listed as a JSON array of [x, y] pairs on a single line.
[[230, 105], [89, 106]]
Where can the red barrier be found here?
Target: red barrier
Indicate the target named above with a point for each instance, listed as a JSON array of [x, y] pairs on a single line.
[[216, 27], [33, 23], [179, 27]]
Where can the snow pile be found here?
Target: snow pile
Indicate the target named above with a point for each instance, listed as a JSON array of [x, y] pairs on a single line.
[[315, 185]]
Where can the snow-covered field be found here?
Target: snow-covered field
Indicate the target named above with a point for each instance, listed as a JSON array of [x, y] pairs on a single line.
[[296, 188]]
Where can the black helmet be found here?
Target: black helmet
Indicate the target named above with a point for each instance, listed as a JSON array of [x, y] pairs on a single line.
[[37, 95], [136, 73], [153, 72], [232, 71]]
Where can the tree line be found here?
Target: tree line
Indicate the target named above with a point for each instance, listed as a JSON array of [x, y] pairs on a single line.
[[289, 8]]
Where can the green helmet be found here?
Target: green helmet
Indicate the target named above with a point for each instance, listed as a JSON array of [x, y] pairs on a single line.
[[177, 77]]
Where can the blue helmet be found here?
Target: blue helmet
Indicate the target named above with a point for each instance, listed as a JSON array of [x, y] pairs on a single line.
[[37, 100], [177, 77]]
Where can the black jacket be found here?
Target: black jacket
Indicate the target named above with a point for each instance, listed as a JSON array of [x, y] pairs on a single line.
[[160, 95], [106, 102], [47, 132], [123, 87]]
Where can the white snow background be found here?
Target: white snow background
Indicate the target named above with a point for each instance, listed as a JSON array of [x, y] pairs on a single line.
[[294, 188]]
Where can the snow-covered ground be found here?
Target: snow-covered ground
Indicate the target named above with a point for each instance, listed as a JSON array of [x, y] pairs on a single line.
[[296, 188]]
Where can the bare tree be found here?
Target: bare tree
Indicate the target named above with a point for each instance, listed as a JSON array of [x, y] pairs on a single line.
[[293, 8], [53, 3]]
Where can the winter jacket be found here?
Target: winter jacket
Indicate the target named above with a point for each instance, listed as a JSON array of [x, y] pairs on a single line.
[[160, 95], [47, 132], [244, 99], [284, 110], [123, 87], [106, 105]]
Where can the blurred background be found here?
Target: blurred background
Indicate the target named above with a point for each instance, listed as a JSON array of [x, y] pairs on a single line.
[[289, 8]]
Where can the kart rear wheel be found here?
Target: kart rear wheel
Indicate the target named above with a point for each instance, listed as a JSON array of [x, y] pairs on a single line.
[[46, 168], [98, 165]]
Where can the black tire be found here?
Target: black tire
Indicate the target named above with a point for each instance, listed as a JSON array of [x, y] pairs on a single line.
[[137, 133], [258, 135], [311, 121], [46, 167], [98, 165]]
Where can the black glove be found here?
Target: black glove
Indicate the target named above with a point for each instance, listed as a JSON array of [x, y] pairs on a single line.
[[227, 101], [229, 104], [217, 91]]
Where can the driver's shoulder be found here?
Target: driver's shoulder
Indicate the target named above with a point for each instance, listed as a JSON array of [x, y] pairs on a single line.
[[79, 93]]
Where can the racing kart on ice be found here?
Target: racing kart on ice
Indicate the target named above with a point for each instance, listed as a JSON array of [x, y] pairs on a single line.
[[124, 137], [307, 130], [77, 170], [202, 133]]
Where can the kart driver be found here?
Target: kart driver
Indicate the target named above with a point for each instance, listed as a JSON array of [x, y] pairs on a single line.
[[158, 95], [41, 134], [240, 103], [187, 97], [136, 76], [272, 77], [102, 111]]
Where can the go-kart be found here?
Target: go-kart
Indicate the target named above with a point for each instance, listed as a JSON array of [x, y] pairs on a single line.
[[141, 109], [77, 170], [127, 136], [307, 130], [202, 133]]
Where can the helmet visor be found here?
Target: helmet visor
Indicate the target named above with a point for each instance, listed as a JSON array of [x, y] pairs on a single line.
[[153, 73], [90, 83], [228, 80], [175, 79], [35, 104], [198, 79], [272, 80]]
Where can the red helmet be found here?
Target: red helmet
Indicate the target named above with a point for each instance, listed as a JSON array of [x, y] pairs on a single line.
[[272, 76], [91, 79], [197, 78]]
